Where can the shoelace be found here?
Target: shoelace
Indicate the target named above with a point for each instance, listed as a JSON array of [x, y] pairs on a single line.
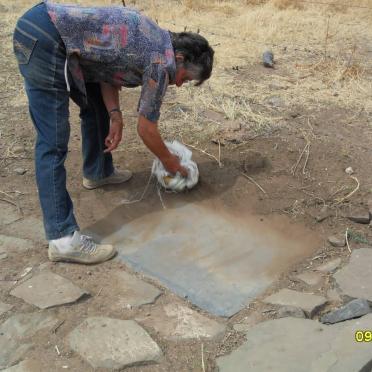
[[89, 246]]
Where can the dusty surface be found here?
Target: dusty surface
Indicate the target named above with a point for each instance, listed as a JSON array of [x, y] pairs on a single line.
[[328, 122]]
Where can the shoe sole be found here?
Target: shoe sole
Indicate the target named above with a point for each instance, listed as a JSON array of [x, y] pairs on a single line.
[[105, 183], [73, 260]]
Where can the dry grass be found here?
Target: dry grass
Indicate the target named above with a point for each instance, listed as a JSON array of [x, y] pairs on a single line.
[[322, 53]]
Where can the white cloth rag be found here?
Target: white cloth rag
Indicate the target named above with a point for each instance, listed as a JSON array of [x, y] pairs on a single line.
[[177, 183]]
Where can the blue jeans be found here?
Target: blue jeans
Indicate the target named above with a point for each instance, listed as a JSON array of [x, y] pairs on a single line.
[[41, 56]]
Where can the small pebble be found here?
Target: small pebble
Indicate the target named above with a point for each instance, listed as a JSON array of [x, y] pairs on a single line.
[[20, 171], [349, 171]]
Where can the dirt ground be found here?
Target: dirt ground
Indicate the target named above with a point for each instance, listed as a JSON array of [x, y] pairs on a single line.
[[294, 142]]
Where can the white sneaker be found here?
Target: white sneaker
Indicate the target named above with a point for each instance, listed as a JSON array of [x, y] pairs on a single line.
[[115, 178], [82, 249]]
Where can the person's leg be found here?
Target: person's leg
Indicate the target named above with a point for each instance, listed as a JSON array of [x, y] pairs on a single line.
[[95, 125], [41, 56], [98, 168]]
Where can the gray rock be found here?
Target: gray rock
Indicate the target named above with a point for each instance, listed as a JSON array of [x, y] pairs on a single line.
[[3, 255], [354, 279], [4, 308], [133, 292], [352, 309], [308, 302], [268, 58], [176, 322], [48, 290], [15, 329], [18, 149], [300, 345], [10, 244], [324, 214], [329, 266], [311, 278], [369, 203], [8, 214], [26, 366], [336, 242], [360, 215], [20, 171], [113, 343], [290, 311], [26, 228]]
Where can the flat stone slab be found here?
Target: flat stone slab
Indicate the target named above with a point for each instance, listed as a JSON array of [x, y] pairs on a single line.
[[15, 329], [329, 266], [218, 261], [352, 309], [11, 244], [290, 311], [354, 279], [308, 302], [47, 290], [175, 321], [113, 343], [311, 278], [4, 308], [131, 291], [26, 228], [8, 214], [26, 366], [360, 215], [301, 345]]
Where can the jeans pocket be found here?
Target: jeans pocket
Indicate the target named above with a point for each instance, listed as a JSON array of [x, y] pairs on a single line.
[[23, 44]]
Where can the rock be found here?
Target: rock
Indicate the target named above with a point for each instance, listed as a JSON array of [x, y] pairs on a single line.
[[354, 279], [8, 214], [360, 215], [308, 302], [26, 366], [352, 309], [18, 149], [300, 345], [11, 244], [4, 308], [3, 256], [311, 278], [275, 101], [290, 311], [336, 242], [323, 214], [20, 171], [27, 228], [15, 329], [133, 292], [349, 171], [113, 343], [47, 290], [369, 203], [329, 266], [177, 322], [268, 59]]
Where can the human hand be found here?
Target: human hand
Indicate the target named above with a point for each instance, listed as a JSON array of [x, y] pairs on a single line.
[[115, 134], [172, 165]]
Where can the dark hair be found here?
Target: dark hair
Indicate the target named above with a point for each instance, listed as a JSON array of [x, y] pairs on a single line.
[[196, 51]]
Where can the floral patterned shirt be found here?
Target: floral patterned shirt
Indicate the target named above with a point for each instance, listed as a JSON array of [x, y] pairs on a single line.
[[119, 46]]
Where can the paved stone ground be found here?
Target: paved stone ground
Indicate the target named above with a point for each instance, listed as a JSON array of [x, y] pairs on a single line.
[[105, 342]]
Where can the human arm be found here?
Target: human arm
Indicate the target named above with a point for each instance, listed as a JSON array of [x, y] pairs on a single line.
[[149, 133], [110, 95]]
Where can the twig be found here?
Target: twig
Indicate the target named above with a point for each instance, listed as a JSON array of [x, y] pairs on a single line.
[[161, 198], [253, 181], [206, 153], [347, 239], [294, 168], [307, 158], [57, 350], [9, 201], [326, 39], [202, 355], [99, 292], [339, 201]]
